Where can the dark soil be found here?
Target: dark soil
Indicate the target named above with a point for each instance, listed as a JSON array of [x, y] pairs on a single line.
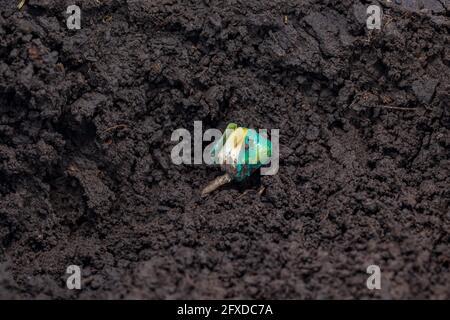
[[86, 118]]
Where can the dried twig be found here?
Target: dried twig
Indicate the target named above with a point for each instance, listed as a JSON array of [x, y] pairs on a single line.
[[119, 126], [107, 18], [394, 108], [243, 194], [21, 4]]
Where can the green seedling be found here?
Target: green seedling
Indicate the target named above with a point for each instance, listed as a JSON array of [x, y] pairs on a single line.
[[240, 152]]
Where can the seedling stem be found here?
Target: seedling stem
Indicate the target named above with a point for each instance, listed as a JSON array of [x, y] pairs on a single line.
[[216, 183]]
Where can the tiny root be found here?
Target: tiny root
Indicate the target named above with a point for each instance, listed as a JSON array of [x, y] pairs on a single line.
[[216, 183]]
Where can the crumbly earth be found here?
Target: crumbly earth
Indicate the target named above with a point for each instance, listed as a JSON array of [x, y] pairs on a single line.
[[86, 178]]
